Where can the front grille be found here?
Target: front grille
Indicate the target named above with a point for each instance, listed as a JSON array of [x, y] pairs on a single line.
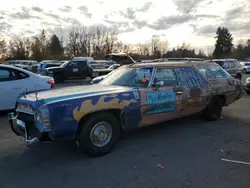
[[26, 117], [31, 130], [29, 121]]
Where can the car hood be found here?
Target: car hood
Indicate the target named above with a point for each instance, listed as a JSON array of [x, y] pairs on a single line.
[[74, 92]]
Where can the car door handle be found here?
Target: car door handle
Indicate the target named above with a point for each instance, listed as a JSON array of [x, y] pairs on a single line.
[[178, 92]]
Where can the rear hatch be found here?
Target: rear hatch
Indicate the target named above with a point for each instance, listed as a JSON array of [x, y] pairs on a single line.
[[120, 58]]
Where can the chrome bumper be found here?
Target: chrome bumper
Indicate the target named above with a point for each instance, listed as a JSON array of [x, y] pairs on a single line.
[[18, 127]]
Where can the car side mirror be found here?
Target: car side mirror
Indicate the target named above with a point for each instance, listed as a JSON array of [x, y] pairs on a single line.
[[157, 84]]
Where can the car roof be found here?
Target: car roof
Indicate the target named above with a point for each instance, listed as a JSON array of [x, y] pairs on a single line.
[[170, 64], [218, 59], [82, 58], [16, 68]]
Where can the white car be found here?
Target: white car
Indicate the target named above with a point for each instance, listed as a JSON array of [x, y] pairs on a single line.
[[246, 67], [15, 82]]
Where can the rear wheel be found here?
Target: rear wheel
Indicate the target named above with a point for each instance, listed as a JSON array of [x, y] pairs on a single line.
[[213, 110], [59, 78], [99, 134]]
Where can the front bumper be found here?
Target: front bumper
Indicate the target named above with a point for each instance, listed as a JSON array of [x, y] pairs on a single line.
[[27, 130]]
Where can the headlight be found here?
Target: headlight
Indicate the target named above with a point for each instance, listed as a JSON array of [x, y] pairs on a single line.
[[42, 116], [248, 80]]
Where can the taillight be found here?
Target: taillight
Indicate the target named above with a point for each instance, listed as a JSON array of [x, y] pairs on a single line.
[[51, 82]]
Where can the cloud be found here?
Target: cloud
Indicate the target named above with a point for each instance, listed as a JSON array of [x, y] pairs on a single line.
[[145, 7], [170, 21], [84, 10], [185, 6], [66, 9], [130, 13], [139, 24], [22, 16], [54, 16], [37, 9], [1, 17], [4, 26], [236, 20]]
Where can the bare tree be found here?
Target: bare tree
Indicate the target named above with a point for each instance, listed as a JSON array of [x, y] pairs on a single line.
[[3, 48]]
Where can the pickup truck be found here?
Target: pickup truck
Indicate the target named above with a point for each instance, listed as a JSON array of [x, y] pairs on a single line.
[[77, 68]]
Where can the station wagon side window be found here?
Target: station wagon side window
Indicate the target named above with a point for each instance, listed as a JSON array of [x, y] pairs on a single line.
[[167, 76], [4, 75], [213, 71], [189, 77]]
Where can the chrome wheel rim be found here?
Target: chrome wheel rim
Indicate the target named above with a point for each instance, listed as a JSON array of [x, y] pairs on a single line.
[[101, 134]]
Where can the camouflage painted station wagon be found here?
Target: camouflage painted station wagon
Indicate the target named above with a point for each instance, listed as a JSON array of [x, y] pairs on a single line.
[[130, 97]]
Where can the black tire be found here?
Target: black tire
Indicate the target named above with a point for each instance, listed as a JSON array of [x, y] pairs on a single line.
[[213, 110], [248, 92], [84, 138], [238, 76], [58, 78]]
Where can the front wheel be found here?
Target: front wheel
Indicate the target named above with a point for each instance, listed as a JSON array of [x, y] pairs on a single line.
[[214, 109], [99, 134]]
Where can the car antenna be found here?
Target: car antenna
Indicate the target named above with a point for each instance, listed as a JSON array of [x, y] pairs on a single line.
[[36, 94], [25, 93]]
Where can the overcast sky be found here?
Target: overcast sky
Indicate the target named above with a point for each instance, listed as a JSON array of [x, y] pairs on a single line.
[[190, 21]]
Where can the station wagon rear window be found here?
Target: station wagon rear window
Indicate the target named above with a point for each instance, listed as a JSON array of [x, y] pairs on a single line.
[[213, 71]]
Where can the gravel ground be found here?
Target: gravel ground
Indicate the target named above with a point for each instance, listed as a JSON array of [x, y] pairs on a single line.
[[190, 150]]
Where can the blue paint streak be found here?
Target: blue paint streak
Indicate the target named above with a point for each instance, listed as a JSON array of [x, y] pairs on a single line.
[[59, 98]]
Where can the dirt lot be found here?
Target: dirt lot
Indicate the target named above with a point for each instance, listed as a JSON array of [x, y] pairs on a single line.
[[190, 150]]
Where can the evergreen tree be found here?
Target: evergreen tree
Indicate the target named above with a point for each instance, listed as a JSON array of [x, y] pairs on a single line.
[[55, 47], [224, 45]]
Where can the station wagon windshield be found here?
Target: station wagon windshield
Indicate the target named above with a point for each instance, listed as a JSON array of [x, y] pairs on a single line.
[[130, 77]]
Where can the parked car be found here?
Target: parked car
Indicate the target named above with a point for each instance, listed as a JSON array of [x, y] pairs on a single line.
[[15, 82], [246, 67], [77, 68], [232, 66], [27, 64], [247, 85], [120, 58], [131, 96], [45, 64], [11, 62], [100, 78]]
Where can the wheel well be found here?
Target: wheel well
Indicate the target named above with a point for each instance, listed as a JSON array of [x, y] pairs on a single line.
[[116, 112], [222, 97]]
